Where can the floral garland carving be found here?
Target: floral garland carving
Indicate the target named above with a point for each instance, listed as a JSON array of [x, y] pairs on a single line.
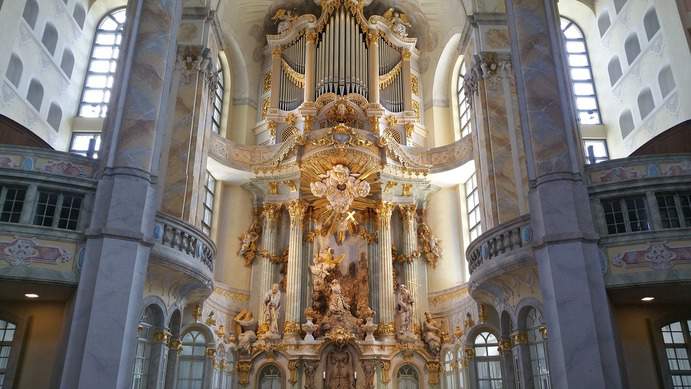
[[297, 78]]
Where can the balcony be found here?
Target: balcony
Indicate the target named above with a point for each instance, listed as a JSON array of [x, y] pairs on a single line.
[[45, 205], [500, 249], [642, 211], [182, 247]]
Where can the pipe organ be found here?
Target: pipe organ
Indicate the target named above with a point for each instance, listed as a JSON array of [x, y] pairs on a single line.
[[343, 54]]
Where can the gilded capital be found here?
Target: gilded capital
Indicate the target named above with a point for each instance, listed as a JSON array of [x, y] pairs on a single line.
[[311, 37], [296, 209], [244, 372], [408, 212], [384, 210], [519, 337], [293, 370], [276, 52], [433, 369], [270, 211], [406, 54], [373, 37]]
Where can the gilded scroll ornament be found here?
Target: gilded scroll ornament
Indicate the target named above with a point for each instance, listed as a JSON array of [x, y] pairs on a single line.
[[244, 372], [433, 369], [415, 85], [267, 82]]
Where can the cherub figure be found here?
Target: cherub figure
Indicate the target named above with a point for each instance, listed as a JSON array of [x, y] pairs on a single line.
[[285, 18], [398, 20]]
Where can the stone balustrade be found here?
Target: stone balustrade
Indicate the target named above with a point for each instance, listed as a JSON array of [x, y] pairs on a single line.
[[45, 202], [499, 243], [184, 244], [642, 211]]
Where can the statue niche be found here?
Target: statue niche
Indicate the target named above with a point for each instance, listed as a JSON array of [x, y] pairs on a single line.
[[339, 298]]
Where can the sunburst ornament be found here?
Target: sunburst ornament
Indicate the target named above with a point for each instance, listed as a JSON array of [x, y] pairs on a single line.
[[340, 187]]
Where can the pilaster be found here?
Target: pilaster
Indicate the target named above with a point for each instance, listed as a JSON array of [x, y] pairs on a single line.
[[411, 258], [294, 281], [262, 268], [386, 291]]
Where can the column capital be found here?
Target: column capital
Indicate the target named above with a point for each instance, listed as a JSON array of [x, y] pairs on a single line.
[[311, 36], [270, 211], [296, 209], [519, 337], [276, 52], [408, 212], [385, 209]]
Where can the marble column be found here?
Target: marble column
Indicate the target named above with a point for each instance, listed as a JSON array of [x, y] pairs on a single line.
[[174, 348], [387, 299], [306, 260], [262, 268], [310, 63], [373, 264], [500, 157], [411, 257], [275, 77], [103, 329], [185, 173], [583, 352], [373, 61], [294, 280]]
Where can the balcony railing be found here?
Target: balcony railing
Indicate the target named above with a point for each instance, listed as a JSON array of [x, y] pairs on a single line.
[[184, 244], [499, 242]]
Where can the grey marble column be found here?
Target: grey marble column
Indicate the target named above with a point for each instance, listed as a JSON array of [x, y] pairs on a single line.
[[373, 264], [262, 268], [386, 290], [294, 280], [103, 329], [411, 257], [582, 353]]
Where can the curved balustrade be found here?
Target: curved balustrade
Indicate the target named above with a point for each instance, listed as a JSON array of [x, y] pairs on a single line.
[[499, 242], [190, 247]]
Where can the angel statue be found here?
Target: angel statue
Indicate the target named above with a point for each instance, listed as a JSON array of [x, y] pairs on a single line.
[[248, 243], [431, 334], [404, 307], [399, 21], [285, 18]]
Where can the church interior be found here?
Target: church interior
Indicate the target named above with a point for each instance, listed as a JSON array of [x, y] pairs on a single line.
[[332, 194]]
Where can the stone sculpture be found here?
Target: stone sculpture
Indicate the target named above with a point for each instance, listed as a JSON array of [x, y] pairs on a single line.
[[404, 309], [272, 305], [431, 334], [244, 330]]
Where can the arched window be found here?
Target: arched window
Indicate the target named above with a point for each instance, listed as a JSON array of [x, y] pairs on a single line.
[[141, 378], [537, 345], [270, 377], [7, 334], [218, 100], [463, 102], [54, 116], [35, 94], [646, 103], [192, 363], [30, 13], [14, 70], [487, 361], [626, 123], [79, 15], [587, 108], [448, 370], [102, 65], [619, 4], [651, 23], [407, 377], [472, 202], [67, 63], [632, 47], [50, 38], [614, 70], [666, 81], [677, 338], [603, 23]]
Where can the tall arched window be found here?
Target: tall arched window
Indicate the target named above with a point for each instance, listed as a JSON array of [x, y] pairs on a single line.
[[219, 91], [581, 73], [270, 377], [142, 360], [30, 13], [14, 70], [192, 363], [35, 94], [537, 345], [677, 340], [666, 81], [487, 361], [7, 335], [408, 377], [463, 102], [67, 63], [102, 65], [50, 38], [632, 47]]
